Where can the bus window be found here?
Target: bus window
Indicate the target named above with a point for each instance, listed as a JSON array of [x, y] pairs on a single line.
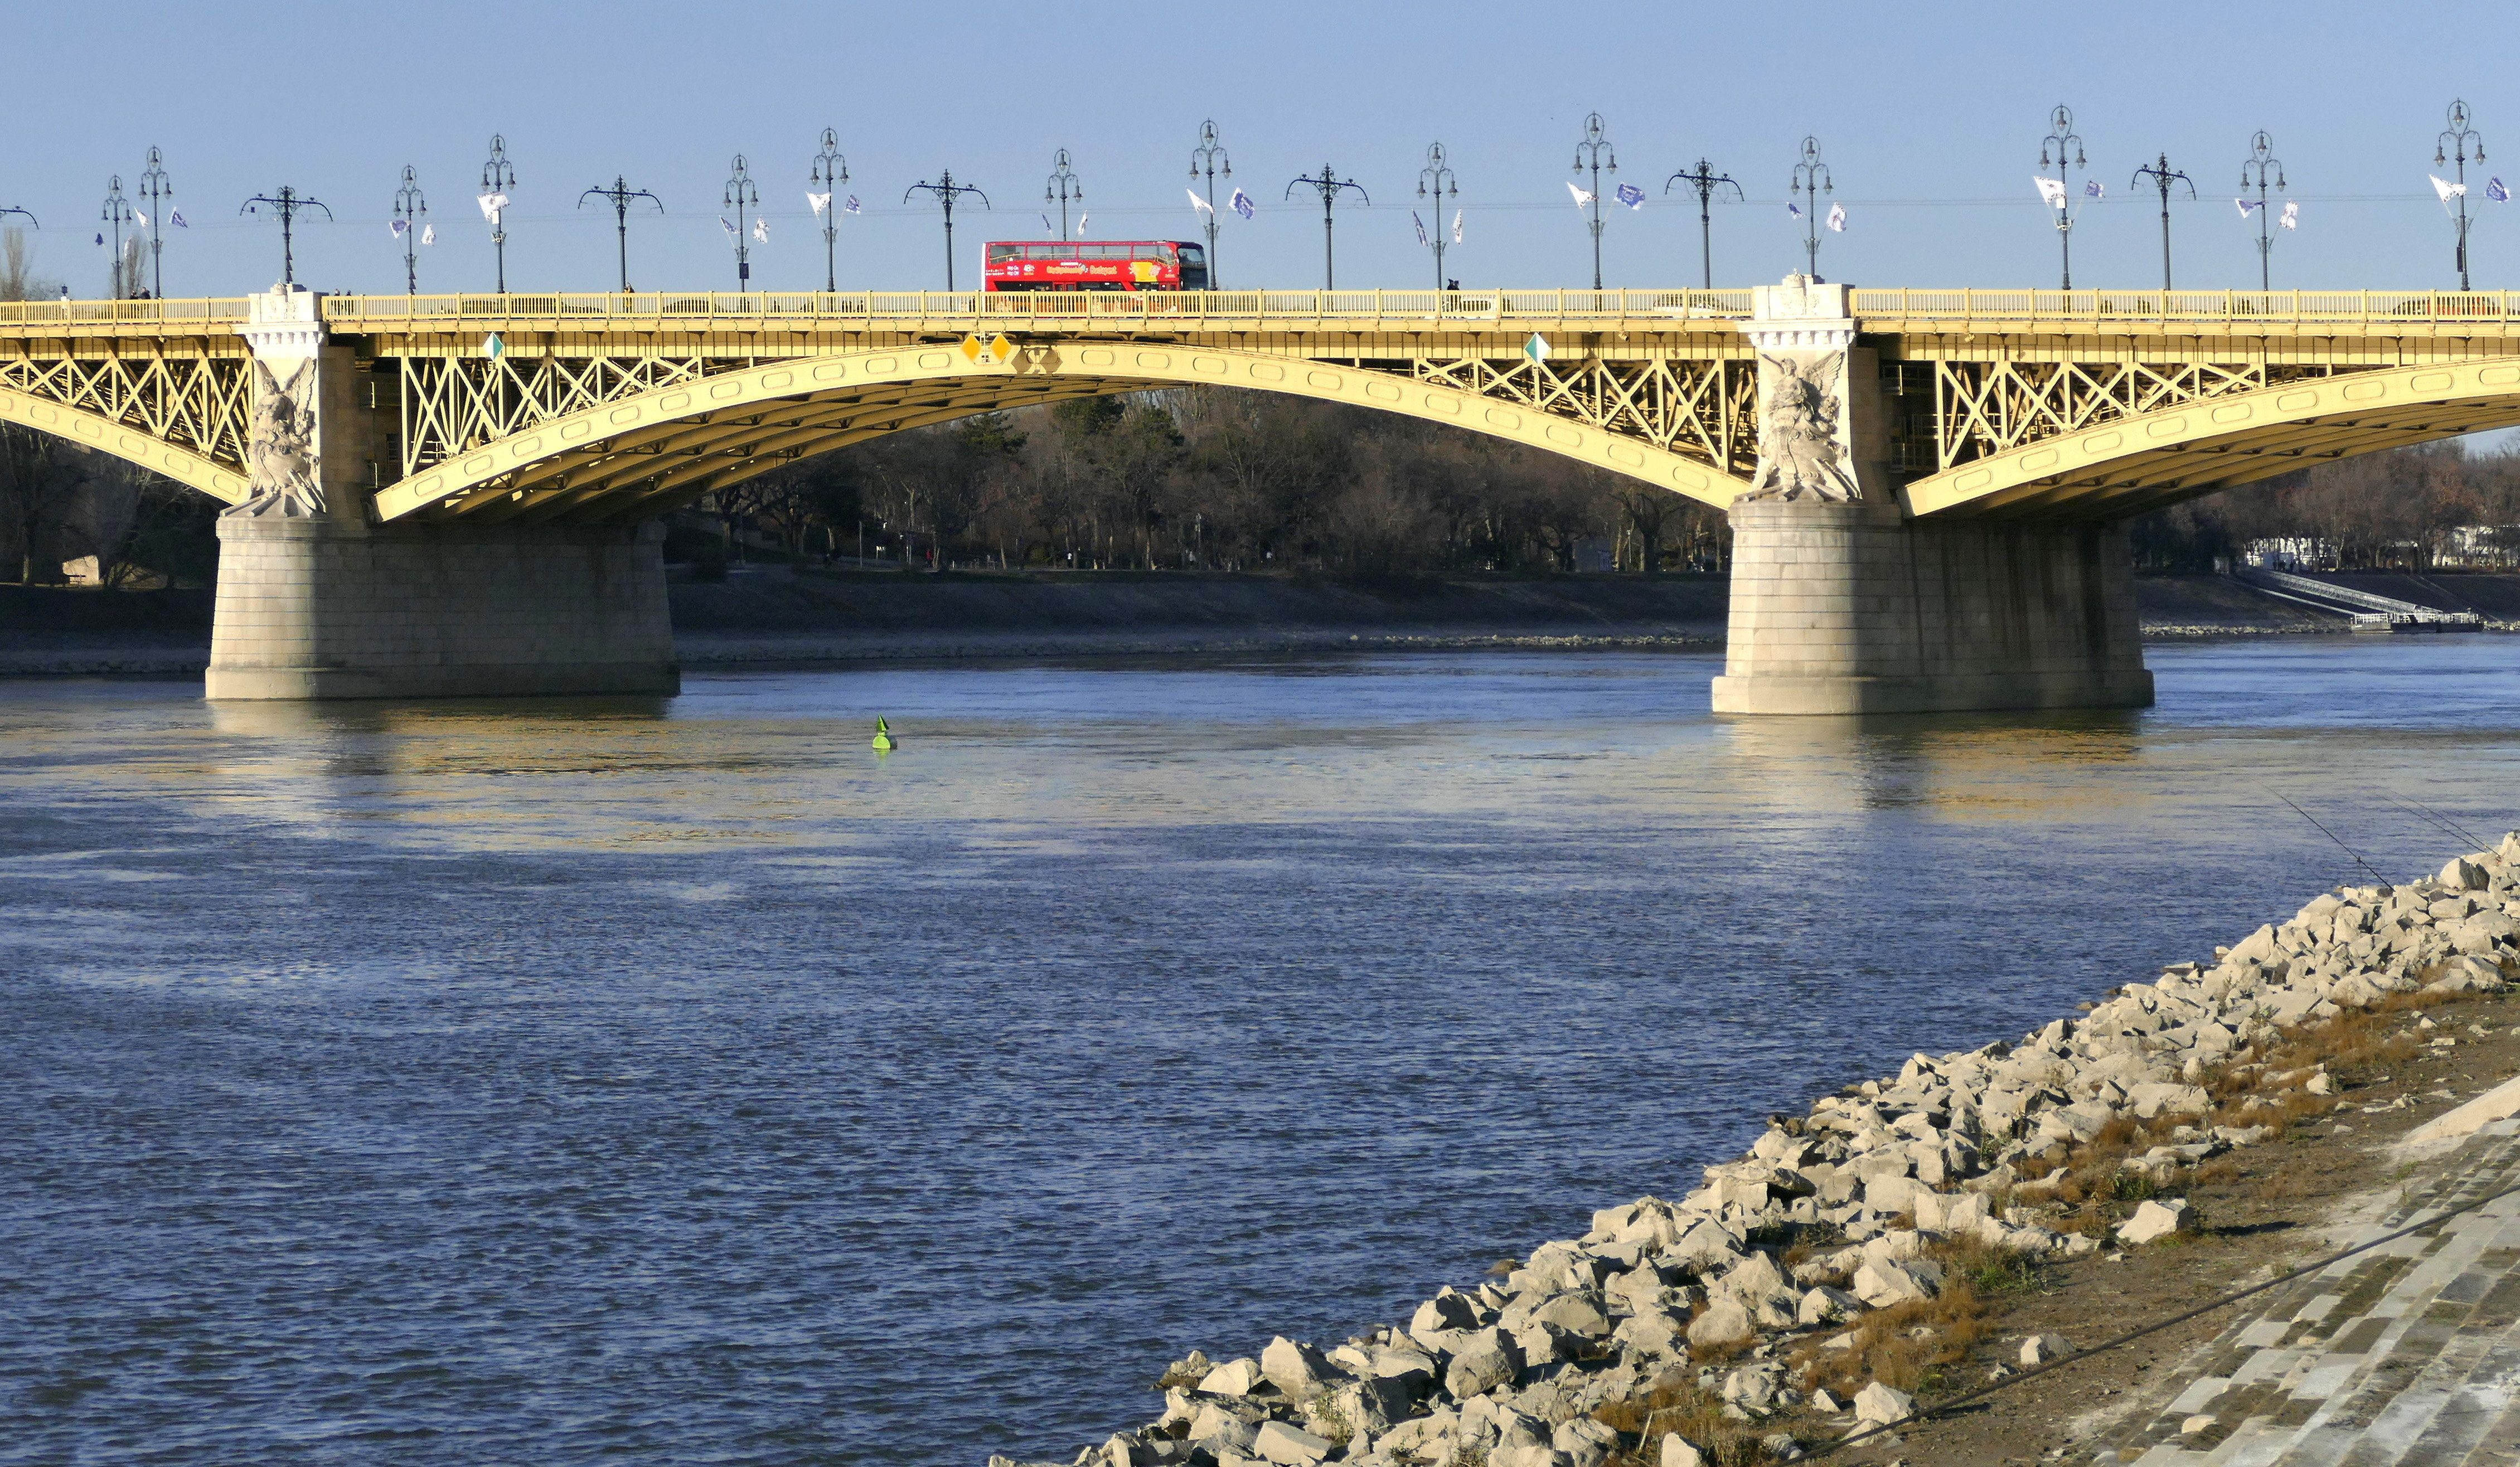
[[999, 254]]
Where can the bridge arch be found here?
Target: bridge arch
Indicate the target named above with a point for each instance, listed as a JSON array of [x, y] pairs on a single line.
[[2130, 464], [95, 431], [640, 454]]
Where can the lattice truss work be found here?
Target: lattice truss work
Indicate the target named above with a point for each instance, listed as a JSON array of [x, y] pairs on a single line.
[[1704, 409], [1983, 408], [202, 404], [451, 405]]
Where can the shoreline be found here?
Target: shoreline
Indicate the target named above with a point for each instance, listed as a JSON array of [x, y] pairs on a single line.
[[1825, 1283], [155, 656]]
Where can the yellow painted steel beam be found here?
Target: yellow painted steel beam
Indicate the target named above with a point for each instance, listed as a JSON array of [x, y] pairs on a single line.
[[1116, 361], [2265, 417], [219, 480]]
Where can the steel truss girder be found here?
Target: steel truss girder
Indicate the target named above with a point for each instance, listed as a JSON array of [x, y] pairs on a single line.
[[200, 404]]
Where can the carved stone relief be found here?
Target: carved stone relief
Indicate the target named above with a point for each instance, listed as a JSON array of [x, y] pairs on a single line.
[[280, 450]]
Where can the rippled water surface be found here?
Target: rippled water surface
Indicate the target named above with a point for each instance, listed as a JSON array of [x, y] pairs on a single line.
[[680, 1083]]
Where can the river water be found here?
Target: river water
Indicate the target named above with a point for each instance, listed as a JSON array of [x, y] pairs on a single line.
[[678, 1082]]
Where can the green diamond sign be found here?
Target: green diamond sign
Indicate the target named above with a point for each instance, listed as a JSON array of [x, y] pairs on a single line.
[[1537, 348]]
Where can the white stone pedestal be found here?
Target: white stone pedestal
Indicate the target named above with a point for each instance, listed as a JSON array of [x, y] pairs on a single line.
[[1855, 608]]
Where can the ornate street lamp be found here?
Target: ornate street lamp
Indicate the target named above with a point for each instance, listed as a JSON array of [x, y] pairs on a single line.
[[159, 194], [741, 195], [289, 204], [1328, 185], [830, 170], [497, 178], [411, 215], [1210, 158], [2060, 137], [2453, 146], [2163, 176], [1705, 180], [1811, 180], [1435, 183], [619, 197], [1062, 189], [1589, 155], [2253, 174], [117, 213], [944, 192]]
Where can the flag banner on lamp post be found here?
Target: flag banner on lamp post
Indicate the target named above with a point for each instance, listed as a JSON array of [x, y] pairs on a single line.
[[2446, 189], [491, 205], [1837, 217], [2051, 190], [2247, 207], [399, 228], [1201, 204], [1632, 196], [1581, 198], [1241, 203], [142, 215], [2093, 188], [732, 232], [1457, 226], [1081, 221], [176, 218], [428, 233], [1793, 211], [851, 207], [1421, 227], [2291, 215], [760, 230], [2495, 190], [820, 204]]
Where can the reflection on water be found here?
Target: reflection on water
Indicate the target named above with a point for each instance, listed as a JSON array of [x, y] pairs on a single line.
[[463, 1082]]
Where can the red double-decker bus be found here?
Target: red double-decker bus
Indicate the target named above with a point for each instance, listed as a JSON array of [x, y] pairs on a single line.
[[1095, 265]]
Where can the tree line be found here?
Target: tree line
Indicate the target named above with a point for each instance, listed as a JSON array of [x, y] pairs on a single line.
[[2437, 506]]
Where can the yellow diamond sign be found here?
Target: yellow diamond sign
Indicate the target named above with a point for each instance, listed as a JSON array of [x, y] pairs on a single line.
[[978, 352]]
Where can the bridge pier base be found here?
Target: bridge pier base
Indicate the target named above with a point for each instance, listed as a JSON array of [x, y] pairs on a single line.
[[1841, 609], [319, 609]]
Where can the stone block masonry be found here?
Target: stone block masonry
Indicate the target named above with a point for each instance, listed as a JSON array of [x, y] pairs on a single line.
[[1842, 608], [320, 609]]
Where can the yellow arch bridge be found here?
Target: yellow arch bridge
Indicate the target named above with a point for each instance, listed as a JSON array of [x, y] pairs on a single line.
[[1924, 484]]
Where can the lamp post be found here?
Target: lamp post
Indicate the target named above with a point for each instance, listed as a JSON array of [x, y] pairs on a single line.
[[411, 212], [830, 170], [2253, 174], [1328, 186], [1705, 180], [1435, 182], [117, 213], [741, 195], [1210, 158], [2061, 138], [156, 193], [944, 189], [497, 178], [2163, 176], [288, 206], [1589, 155], [2453, 146], [1812, 180], [619, 197], [1062, 187]]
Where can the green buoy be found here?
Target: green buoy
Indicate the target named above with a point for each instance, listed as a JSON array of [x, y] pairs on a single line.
[[884, 744]]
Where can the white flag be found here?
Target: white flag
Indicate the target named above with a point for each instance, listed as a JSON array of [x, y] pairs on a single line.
[[1457, 226], [399, 228], [2448, 190], [2292, 214], [428, 233], [491, 205], [1837, 217], [1581, 198], [2051, 190], [1200, 204], [819, 202], [760, 230], [1080, 224], [142, 215]]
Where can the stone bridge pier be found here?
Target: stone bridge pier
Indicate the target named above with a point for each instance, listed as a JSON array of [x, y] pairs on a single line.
[[1842, 603], [317, 600]]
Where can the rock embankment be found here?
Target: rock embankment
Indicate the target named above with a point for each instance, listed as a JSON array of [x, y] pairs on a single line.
[[1728, 1295]]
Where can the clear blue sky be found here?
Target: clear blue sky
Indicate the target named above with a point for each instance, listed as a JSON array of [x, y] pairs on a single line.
[[1931, 118]]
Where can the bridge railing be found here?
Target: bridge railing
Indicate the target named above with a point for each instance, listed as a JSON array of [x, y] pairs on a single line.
[[2136, 307], [1066, 308], [87, 312]]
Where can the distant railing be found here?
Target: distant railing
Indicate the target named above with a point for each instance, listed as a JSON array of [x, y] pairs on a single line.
[[1066, 308], [2122, 307], [41, 312]]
